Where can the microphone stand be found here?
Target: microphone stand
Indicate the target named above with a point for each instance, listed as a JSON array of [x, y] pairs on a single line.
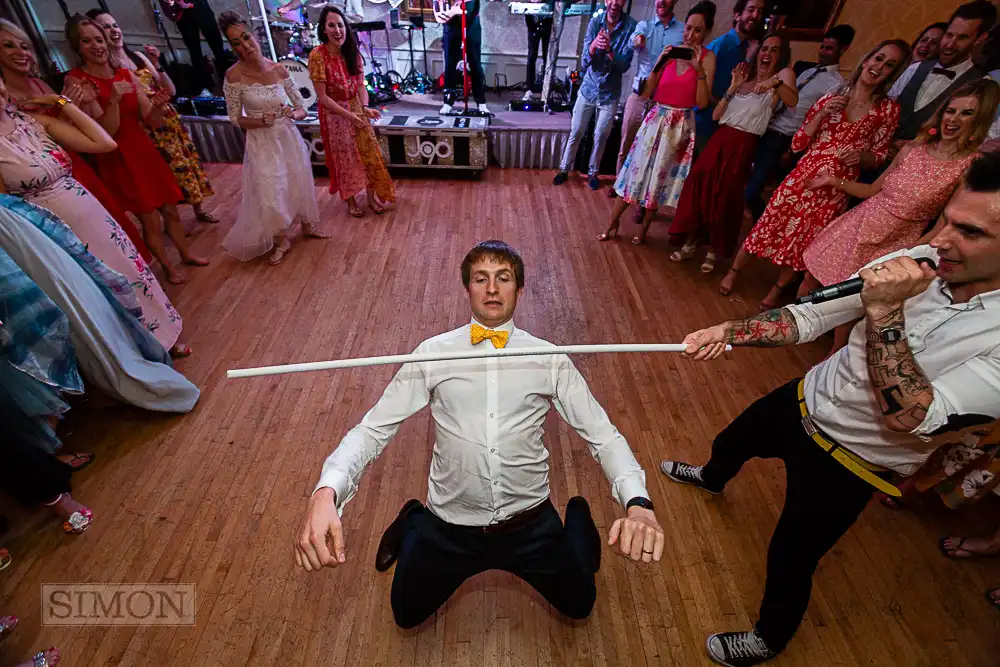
[[163, 29]]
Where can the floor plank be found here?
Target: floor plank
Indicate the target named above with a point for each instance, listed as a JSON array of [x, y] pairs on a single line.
[[216, 497]]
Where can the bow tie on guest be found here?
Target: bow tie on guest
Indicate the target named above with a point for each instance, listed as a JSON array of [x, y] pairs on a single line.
[[497, 336], [943, 71]]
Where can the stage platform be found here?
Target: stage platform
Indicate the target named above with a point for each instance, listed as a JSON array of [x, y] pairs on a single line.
[[516, 139]]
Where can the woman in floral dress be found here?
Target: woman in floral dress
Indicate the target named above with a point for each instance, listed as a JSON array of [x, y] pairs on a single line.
[[33, 166], [352, 152], [170, 137], [840, 129]]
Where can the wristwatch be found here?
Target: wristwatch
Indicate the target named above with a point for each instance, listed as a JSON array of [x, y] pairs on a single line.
[[890, 335], [62, 101], [639, 501]]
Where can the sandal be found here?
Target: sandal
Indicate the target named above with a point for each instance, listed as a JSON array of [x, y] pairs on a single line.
[[49, 658], [180, 350], [7, 625], [709, 264], [79, 521], [377, 211], [638, 240], [279, 254], [892, 503], [86, 457], [206, 217], [724, 289], [312, 232], [354, 209], [5, 559], [952, 553], [686, 252], [612, 233], [993, 598]]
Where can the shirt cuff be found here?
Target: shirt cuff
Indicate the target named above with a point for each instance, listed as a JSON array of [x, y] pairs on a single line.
[[632, 486], [341, 485]]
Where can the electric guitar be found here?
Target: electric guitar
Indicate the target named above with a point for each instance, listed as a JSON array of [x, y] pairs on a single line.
[[173, 9]]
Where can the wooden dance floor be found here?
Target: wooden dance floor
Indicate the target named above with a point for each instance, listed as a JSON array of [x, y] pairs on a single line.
[[215, 498]]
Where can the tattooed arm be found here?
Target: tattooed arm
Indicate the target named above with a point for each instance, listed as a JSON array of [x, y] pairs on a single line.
[[769, 329], [903, 392]]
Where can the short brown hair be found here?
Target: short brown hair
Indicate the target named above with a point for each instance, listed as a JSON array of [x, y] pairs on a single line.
[[496, 251], [988, 93]]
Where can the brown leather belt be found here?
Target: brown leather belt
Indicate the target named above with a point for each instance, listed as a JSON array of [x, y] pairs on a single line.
[[512, 523]]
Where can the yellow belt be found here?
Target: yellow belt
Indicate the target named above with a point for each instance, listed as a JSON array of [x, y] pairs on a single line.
[[845, 457]]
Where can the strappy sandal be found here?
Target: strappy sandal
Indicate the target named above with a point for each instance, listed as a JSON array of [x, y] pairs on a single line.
[[7, 625], [377, 211], [685, 253], [78, 522], [5, 559], [638, 240], [312, 232], [40, 660], [355, 210], [709, 264], [952, 554], [180, 350], [279, 254], [86, 457], [612, 233], [994, 601]]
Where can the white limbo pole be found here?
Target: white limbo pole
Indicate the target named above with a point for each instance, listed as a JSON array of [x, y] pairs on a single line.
[[448, 356], [267, 29]]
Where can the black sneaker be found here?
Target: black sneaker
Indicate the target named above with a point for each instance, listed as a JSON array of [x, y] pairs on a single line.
[[685, 473], [738, 649], [560, 178], [392, 538]]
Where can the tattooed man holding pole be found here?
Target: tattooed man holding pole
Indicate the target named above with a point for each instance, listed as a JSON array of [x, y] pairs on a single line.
[[924, 360]]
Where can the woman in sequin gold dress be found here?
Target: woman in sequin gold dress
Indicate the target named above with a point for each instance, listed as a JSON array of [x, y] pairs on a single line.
[[911, 193]]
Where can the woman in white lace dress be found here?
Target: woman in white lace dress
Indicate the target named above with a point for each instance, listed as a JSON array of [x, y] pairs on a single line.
[[277, 173]]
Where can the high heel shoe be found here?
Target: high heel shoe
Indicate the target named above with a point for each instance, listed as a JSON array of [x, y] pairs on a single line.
[[709, 264], [686, 252], [612, 233]]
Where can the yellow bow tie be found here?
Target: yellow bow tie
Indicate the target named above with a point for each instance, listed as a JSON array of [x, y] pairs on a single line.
[[497, 337]]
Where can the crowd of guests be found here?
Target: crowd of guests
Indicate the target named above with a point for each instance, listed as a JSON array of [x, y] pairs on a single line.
[[91, 184], [861, 166]]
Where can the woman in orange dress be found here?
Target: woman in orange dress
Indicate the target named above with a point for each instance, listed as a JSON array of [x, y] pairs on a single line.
[[353, 156], [17, 67], [136, 171]]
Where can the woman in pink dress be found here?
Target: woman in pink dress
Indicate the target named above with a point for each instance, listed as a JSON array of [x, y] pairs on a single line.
[[839, 131], [911, 193], [353, 156], [136, 172], [36, 168]]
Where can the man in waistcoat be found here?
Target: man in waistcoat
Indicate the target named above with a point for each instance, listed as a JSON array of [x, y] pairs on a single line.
[[925, 86]]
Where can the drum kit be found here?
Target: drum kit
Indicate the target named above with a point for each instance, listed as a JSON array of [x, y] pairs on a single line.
[[292, 41]]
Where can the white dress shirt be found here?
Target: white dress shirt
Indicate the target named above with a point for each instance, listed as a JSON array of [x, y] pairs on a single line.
[[488, 461], [956, 345], [933, 85], [790, 119]]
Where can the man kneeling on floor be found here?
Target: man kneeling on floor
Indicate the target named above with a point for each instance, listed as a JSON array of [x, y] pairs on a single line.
[[488, 501]]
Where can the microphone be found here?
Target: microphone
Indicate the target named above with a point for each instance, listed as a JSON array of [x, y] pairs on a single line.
[[848, 287]]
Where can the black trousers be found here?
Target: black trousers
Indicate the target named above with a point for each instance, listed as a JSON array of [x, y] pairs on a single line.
[[195, 22], [539, 32], [30, 474], [453, 79], [436, 557], [772, 146], [823, 499]]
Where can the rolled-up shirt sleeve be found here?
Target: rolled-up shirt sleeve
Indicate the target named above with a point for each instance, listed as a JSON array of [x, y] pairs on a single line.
[[407, 394], [973, 388], [815, 319], [577, 405]]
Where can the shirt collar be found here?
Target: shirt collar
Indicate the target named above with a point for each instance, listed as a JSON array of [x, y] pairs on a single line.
[[670, 24], [958, 69], [507, 326]]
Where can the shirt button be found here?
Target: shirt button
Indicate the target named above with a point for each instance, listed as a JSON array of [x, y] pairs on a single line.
[[493, 451], [912, 335], [491, 415], [495, 483], [493, 382]]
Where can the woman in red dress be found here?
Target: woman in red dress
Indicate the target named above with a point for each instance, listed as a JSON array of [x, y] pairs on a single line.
[[841, 130], [137, 171], [17, 64], [353, 156]]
